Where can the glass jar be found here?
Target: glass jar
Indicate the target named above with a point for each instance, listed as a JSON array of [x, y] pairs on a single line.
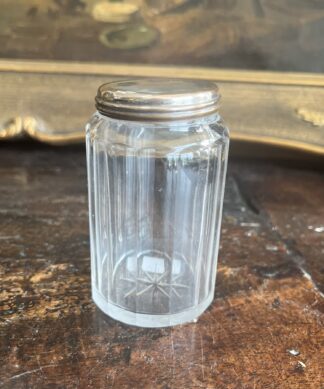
[[157, 156]]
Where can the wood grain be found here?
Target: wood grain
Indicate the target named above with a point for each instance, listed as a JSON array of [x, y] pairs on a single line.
[[268, 298]]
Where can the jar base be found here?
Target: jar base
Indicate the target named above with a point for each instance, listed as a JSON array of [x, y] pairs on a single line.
[[146, 320]]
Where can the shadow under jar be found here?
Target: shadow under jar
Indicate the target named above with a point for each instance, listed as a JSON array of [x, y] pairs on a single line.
[[157, 156]]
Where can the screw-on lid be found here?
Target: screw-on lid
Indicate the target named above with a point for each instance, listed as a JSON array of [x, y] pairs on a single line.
[[157, 98]]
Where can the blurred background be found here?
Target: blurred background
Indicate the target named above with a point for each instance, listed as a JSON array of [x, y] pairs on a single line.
[[266, 55], [264, 329], [283, 35]]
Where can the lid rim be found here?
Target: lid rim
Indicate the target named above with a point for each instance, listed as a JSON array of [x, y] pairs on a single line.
[[157, 99]]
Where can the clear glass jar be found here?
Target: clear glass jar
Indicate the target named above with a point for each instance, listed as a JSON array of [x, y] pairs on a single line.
[[157, 156]]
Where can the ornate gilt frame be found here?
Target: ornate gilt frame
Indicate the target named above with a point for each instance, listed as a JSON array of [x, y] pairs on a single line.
[[50, 101]]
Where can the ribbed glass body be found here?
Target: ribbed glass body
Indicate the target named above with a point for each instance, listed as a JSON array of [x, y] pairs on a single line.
[[155, 197]]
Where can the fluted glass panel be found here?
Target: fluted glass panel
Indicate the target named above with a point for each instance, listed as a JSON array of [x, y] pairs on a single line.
[[155, 194]]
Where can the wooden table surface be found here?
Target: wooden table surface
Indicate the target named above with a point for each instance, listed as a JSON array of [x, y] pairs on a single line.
[[268, 304]]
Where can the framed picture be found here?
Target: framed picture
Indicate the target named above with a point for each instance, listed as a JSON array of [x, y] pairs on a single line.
[[266, 55]]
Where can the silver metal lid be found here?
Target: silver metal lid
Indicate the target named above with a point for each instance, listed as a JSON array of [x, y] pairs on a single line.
[[157, 99]]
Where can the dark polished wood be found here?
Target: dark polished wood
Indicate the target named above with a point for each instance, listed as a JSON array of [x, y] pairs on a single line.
[[268, 304]]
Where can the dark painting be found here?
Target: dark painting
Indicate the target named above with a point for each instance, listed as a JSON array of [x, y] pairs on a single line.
[[244, 34]]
